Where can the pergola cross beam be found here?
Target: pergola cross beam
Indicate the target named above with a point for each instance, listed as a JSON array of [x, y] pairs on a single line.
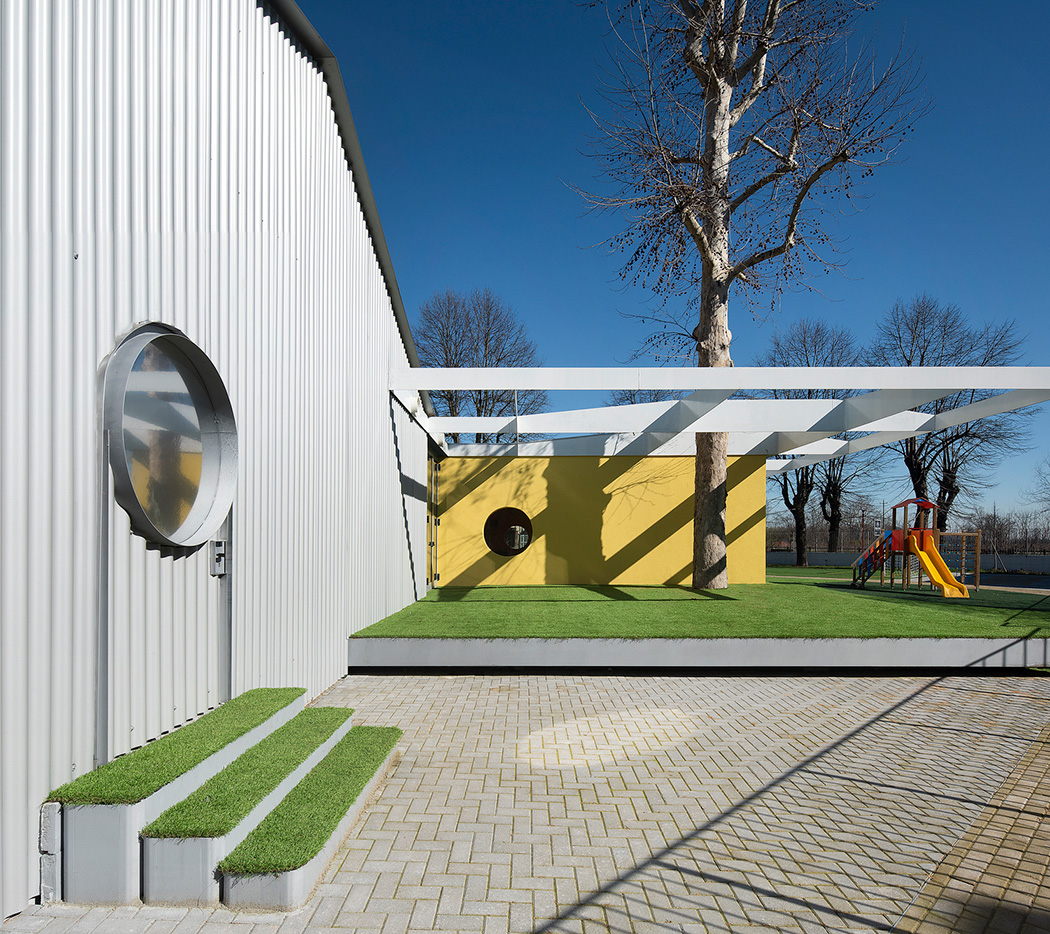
[[877, 406]]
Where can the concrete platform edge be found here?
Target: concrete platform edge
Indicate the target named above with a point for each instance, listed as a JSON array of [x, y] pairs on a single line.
[[367, 653]]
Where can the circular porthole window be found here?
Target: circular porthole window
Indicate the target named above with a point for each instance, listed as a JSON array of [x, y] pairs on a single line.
[[172, 437], [508, 531]]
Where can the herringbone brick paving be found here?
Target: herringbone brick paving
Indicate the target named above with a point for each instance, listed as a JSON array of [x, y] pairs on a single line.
[[529, 803]]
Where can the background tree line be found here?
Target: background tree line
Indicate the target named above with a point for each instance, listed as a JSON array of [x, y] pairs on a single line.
[[1024, 531], [941, 465]]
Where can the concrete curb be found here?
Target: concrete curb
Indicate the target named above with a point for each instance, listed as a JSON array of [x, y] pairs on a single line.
[[182, 870], [698, 653], [286, 891], [100, 856]]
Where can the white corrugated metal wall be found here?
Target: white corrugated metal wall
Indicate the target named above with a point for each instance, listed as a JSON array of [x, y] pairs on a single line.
[[179, 161]]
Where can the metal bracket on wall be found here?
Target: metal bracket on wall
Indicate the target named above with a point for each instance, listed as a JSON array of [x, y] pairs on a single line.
[[218, 559]]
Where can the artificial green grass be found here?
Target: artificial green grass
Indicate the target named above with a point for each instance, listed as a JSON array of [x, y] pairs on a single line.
[[149, 768], [222, 802], [790, 571], [791, 609], [296, 830]]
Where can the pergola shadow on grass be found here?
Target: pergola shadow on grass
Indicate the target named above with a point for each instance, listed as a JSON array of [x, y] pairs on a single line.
[[789, 609]]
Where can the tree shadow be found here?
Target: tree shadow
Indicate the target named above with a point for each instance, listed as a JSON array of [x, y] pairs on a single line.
[[644, 593], [1021, 603]]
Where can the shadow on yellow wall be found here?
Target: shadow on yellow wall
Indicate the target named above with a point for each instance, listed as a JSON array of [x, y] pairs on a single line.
[[596, 520]]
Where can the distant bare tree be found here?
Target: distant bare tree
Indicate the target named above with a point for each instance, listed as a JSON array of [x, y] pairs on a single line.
[[1040, 491], [837, 481], [731, 122], [996, 528], [476, 330], [813, 343], [1026, 530], [925, 332]]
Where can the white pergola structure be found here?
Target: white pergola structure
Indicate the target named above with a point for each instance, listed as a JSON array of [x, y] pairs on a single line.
[[789, 432]]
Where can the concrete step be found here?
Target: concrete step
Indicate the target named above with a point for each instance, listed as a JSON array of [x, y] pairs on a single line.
[[91, 854], [182, 869]]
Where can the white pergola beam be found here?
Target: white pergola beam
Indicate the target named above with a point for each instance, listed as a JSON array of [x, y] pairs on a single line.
[[941, 380], [771, 427], [714, 412]]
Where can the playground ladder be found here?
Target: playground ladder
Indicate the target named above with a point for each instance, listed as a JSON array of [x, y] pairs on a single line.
[[872, 559]]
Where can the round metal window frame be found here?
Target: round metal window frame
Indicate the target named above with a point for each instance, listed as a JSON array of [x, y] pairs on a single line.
[[499, 522], [218, 429]]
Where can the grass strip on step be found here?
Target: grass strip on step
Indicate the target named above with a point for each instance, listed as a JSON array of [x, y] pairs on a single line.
[[139, 774], [298, 828], [222, 802]]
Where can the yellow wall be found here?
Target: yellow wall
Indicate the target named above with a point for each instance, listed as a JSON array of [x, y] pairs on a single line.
[[596, 520]]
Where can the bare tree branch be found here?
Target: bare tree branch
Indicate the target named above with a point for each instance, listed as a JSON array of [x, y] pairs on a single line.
[[792, 226]]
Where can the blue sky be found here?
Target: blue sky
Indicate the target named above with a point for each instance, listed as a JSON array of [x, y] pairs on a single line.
[[473, 122]]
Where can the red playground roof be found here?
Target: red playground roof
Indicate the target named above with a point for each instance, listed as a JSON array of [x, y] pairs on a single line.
[[921, 503]]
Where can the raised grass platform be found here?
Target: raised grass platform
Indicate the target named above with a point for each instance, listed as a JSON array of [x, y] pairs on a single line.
[[801, 622]]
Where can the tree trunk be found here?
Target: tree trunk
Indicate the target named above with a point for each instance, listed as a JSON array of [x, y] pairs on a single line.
[[833, 526], [709, 513], [917, 471], [801, 558], [712, 451], [712, 344], [831, 507], [948, 490]]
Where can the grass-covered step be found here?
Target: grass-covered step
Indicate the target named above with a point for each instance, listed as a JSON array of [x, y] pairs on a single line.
[[277, 865], [103, 811], [182, 847]]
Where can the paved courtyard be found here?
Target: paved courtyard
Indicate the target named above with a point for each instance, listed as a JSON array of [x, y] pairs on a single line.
[[535, 803]]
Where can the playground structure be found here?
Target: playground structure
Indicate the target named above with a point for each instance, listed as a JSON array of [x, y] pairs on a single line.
[[918, 545]]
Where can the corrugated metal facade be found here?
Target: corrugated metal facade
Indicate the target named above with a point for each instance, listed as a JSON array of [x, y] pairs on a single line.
[[179, 161]]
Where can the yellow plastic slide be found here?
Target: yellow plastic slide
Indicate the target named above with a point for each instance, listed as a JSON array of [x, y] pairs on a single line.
[[935, 568]]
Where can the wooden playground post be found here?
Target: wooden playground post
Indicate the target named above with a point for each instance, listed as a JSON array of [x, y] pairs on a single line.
[[893, 558], [905, 562]]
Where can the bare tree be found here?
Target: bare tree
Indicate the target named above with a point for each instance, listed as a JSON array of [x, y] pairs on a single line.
[[476, 330], [1040, 491], [925, 332], [813, 343], [996, 528], [837, 480], [732, 121]]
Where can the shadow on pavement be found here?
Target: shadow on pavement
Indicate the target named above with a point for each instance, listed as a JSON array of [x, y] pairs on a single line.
[[976, 915], [664, 858]]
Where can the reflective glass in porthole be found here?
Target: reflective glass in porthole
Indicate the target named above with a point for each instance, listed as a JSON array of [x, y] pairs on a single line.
[[162, 437], [508, 531], [517, 538], [172, 437]]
